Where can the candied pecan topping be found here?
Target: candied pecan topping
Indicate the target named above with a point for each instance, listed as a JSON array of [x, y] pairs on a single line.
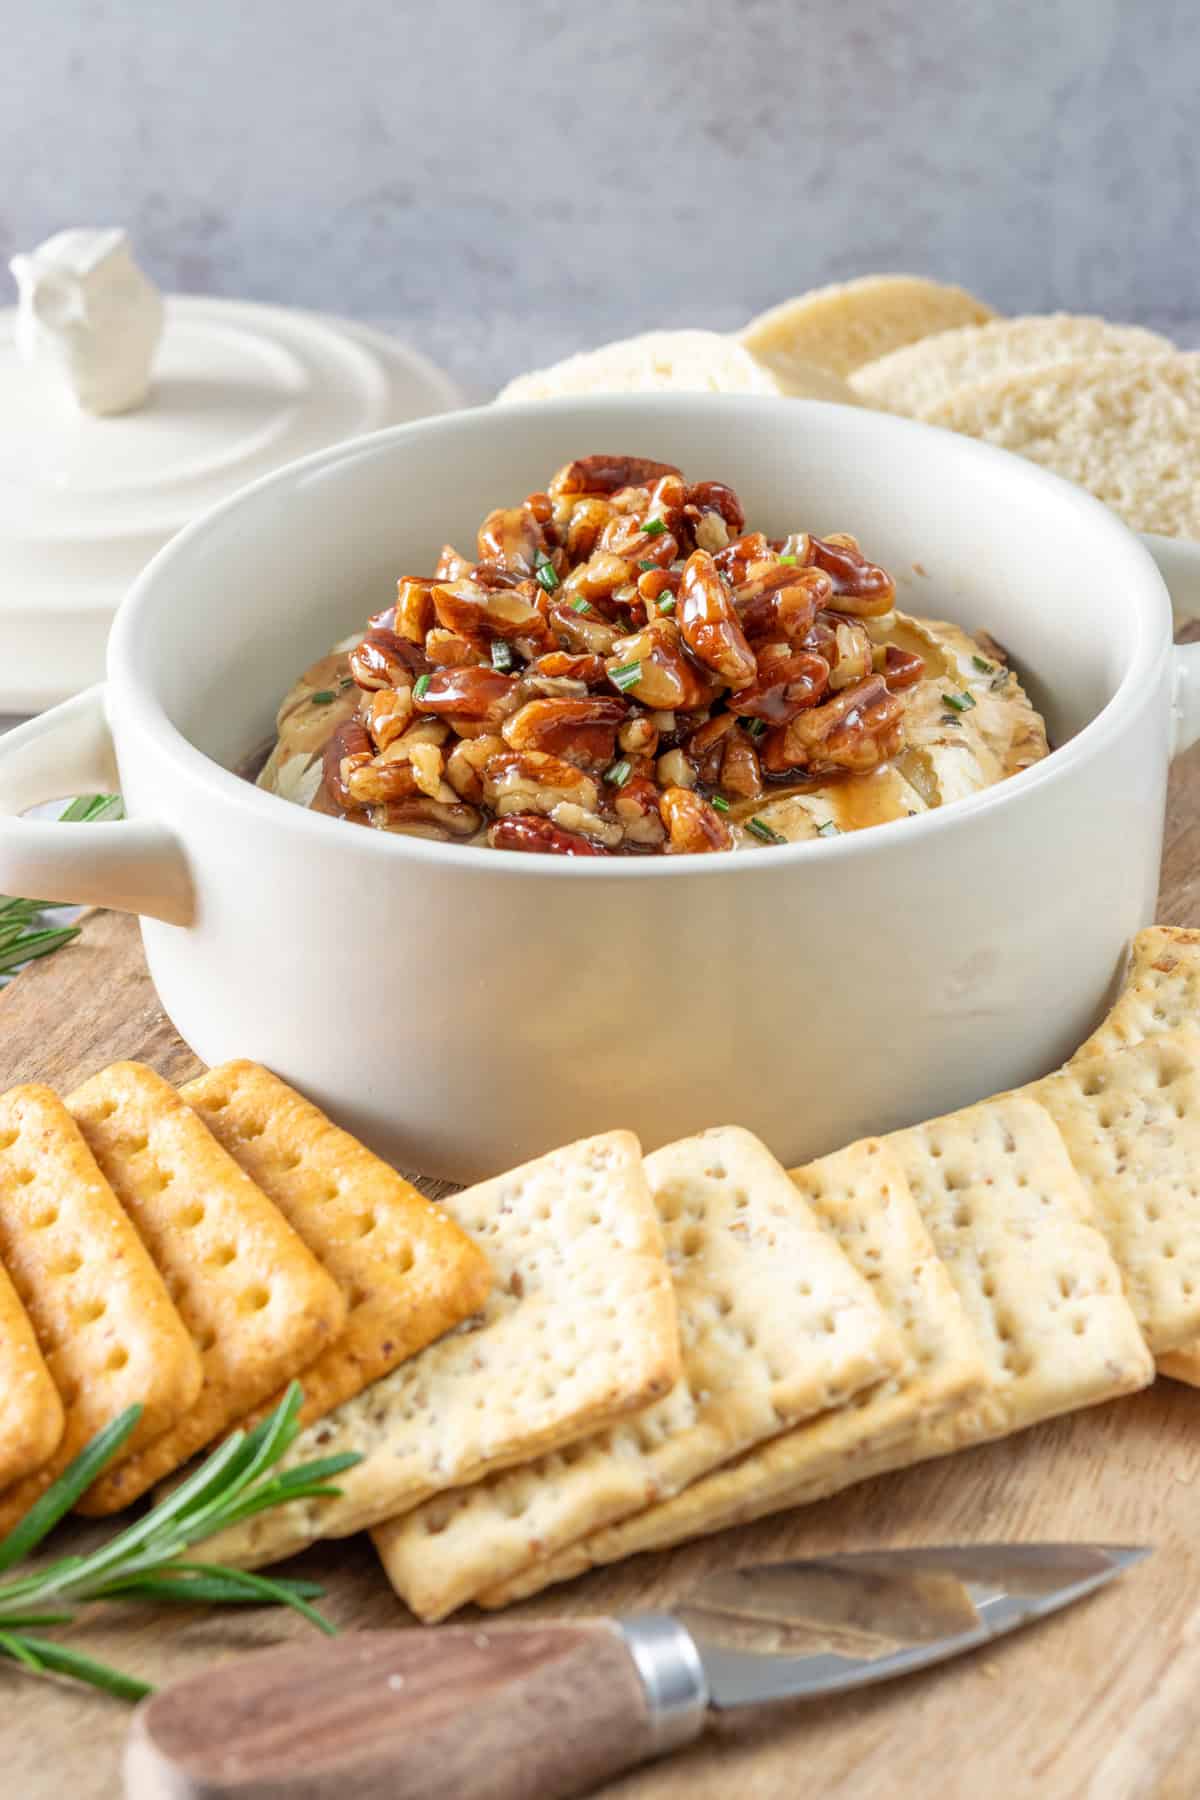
[[622, 666]]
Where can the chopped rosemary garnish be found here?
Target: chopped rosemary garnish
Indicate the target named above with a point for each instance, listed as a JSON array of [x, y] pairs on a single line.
[[755, 727], [720, 802], [999, 680], [581, 605], [146, 1560], [653, 528], [789, 559], [502, 656], [949, 719], [765, 832], [827, 828], [421, 686], [646, 565], [984, 667], [626, 675], [666, 603], [619, 773], [547, 577], [324, 697], [959, 702]]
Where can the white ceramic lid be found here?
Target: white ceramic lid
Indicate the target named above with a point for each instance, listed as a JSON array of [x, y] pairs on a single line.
[[85, 501]]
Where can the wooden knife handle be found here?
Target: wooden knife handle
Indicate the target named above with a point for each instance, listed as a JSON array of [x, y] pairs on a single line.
[[499, 1712]]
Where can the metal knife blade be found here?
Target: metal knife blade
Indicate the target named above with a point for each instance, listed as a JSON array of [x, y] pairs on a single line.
[[795, 1630]]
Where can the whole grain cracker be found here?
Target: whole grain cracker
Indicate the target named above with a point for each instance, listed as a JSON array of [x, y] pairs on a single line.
[[1010, 1220], [862, 1199], [1131, 1124], [1161, 992], [102, 1316], [258, 1305], [579, 1328], [31, 1412], [775, 1325], [409, 1273]]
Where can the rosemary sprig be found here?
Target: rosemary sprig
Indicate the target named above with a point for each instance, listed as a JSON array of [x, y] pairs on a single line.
[[146, 1561], [24, 934]]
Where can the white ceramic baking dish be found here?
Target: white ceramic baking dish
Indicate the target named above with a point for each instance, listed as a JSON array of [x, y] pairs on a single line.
[[464, 1008]]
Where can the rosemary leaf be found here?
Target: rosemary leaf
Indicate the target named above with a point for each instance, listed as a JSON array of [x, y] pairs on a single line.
[[145, 1560], [181, 1586], [44, 1515], [46, 1657]]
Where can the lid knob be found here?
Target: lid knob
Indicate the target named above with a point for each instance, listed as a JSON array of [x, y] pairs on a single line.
[[88, 320]]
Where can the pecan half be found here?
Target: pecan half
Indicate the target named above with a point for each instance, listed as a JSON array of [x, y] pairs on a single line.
[[861, 587], [667, 678], [477, 694], [348, 750], [858, 729], [483, 615], [529, 831], [581, 731], [512, 536], [788, 680], [902, 668], [709, 624], [383, 659], [607, 474], [692, 824]]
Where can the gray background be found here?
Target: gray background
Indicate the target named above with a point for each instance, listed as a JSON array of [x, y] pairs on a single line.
[[506, 181]]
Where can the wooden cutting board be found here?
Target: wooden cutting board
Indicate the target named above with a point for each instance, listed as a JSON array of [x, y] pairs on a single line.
[[1101, 1701]]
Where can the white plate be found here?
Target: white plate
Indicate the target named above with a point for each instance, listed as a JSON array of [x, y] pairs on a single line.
[[85, 502]]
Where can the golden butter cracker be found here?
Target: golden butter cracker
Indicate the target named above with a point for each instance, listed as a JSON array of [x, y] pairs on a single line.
[[258, 1305], [102, 1316], [31, 1413], [409, 1273]]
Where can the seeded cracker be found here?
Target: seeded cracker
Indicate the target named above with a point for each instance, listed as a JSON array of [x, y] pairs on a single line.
[[1161, 993], [579, 1328], [776, 1325], [1131, 1124], [862, 1199]]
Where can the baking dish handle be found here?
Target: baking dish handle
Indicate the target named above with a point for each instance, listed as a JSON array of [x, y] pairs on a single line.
[[131, 865], [1179, 565]]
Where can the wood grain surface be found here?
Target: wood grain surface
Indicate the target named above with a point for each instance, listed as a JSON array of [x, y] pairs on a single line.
[[1100, 1701]]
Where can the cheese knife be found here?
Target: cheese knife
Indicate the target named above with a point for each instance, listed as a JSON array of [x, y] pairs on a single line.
[[554, 1709]]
